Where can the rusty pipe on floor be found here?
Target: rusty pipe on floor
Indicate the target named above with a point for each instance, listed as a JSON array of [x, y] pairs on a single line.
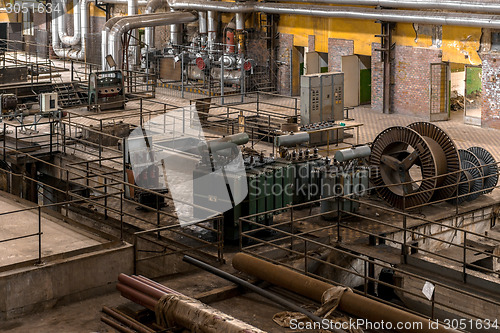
[[116, 326], [172, 306], [126, 320], [136, 296], [351, 303]]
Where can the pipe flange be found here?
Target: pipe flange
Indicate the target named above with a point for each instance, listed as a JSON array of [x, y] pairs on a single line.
[[399, 155], [451, 160]]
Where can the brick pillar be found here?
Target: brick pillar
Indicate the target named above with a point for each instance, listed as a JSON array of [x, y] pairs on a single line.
[[338, 48], [284, 52], [377, 79], [311, 43], [490, 110]]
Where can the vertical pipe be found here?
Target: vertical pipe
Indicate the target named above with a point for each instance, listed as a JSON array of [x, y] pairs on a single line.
[[175, 33], [134, 44], [212, 28], [39, 234], [202, 27]]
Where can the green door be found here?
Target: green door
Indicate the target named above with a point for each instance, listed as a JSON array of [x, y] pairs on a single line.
[[365, 86]]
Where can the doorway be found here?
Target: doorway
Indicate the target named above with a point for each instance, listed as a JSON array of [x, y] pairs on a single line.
[[357, 80], [473, 95]]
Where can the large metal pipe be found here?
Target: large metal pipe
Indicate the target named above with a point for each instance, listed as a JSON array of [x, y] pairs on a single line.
[[362, 13], [212, 28], [175, 32], [138, 21], [202, 27], [184, 311], [279, 300], [76, 54], [64, 37], [106, 29], [354, 304], [461, 6], [149, 33], [132, 10]]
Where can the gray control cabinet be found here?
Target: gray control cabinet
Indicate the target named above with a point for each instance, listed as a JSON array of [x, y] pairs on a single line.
[[321, 97]]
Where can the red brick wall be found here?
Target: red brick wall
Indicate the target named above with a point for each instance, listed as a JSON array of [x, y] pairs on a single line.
[[490, 112], [337, 48], [409, 82], [377, 79], [285, 46]]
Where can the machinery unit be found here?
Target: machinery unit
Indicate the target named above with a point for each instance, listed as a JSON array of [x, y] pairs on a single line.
[[8, 104], [106, 90], [48, 103], [322, 100]]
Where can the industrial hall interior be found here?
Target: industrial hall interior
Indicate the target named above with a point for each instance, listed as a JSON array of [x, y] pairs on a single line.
[[249, 166]]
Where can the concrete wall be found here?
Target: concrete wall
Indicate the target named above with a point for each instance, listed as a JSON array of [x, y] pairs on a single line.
[[36, 288]]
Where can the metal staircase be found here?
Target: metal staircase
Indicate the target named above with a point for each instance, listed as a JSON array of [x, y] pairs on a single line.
[[69, 94]]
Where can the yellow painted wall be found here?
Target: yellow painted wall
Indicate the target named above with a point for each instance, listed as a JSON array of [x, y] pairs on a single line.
[[459, 44]]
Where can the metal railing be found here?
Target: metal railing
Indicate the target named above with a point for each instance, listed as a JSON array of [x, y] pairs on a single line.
[[406, 233]]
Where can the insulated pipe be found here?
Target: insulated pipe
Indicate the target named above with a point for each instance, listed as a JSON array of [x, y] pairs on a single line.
[[461, 6], [354, 304], [131, 22], [240, 21], [149, 35], [64, 37], [76, 54], [202, 27], [212, 28], [275, 298], [104, 40], [402, 16], [134, 44], [175, 32]]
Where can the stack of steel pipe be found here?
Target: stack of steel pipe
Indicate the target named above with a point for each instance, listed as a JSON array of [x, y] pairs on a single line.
[[182, 310]]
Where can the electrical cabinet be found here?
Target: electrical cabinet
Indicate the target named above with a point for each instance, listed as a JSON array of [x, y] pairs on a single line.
[[322, 100], [48, 102], [321, 97]]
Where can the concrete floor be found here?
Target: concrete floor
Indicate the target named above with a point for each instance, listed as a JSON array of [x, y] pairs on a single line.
[[58, 237]]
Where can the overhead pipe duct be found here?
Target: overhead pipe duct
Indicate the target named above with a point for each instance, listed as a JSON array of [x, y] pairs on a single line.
[[132, 22], [64, 37], [105, 36], [461, 6], [388, 15]]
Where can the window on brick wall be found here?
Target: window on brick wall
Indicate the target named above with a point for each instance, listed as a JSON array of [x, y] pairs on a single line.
[[495, 41]]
